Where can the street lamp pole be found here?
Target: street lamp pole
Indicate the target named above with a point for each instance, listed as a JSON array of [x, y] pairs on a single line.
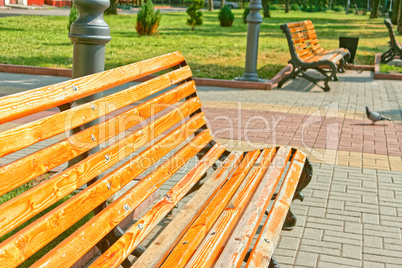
[[254, 20]]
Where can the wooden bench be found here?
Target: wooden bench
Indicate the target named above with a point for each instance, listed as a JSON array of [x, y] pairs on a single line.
[[395, 49], [163, 137], [306, 53]]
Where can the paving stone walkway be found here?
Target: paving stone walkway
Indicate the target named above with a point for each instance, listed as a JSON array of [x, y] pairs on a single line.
[[351, 214]]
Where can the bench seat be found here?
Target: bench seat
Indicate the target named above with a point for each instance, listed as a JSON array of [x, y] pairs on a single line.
[[156, 133], [306, 53]]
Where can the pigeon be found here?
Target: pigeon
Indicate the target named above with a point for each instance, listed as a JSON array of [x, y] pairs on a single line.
[[374, 116]]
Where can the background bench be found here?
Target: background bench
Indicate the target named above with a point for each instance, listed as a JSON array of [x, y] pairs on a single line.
[[306, 53], [395, 49], [156, 132]]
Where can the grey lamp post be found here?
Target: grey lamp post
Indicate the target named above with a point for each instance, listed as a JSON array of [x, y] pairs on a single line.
[[254, 20], [89, 33]]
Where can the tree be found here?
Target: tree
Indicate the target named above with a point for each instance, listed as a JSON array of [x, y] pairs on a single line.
[[374, 9], [112, 9], [210, 5], [265, 6], [395, 12], [287, 6], [194, 13], [400, 18]]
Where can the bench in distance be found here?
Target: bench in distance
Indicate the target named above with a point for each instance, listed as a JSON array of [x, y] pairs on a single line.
[[306, 53]]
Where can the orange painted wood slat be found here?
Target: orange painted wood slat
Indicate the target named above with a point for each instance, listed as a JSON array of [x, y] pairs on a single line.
[[208, 252], [187, 245], [40, 99], [299, 23], [236, 248], [37, 235], [23, 136], [301, 28], [33, 165], [18, 210], [86, 237], [269, 236], [132, 237], [167, 239]]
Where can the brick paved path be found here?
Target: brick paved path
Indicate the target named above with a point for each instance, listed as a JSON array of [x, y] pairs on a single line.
[[351, 215]]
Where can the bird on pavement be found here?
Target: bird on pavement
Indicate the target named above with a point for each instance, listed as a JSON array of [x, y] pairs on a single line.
[[374, 116]]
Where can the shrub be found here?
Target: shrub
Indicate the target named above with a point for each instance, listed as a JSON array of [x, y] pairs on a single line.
[[226, 16], [72, 17], [245, 13], [311, 9], [194, 13], [337, 8], [294, 7], [147, 19], [273, 7]]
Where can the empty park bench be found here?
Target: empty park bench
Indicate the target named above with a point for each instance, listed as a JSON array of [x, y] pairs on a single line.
[[395, 49], [162, 133], [306, 53]]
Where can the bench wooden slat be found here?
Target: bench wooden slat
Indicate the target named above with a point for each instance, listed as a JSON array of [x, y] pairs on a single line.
[[135, 235], [210, 249], [263, 250], [301, 28], [23, 136], [81, 204], [299, 23], [18, 210], [40, 99], [86, 237], [201, 226], [167, 239], [239, 242], [33, 165]]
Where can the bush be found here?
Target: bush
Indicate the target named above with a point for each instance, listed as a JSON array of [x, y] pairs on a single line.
[[312, 9], [72, 17], [294, 7], [245, 13], [226, 16], [337, 8], [273, 7], [194, 13], [147, 19]]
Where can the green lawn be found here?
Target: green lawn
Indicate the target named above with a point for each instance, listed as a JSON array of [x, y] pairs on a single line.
[[211, 51]]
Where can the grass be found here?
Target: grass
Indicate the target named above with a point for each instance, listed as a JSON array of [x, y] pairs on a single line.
[[385, 68], [211, 51]]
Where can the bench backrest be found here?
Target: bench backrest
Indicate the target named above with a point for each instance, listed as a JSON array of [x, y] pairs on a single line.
[[160, 119], [302, 39], [393, 42]]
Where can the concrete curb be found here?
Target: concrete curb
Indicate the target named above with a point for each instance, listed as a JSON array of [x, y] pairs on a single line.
[[379, 75], [268, 85]]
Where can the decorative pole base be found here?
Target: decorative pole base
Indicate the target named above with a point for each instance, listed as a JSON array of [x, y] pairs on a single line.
[[252, 77]]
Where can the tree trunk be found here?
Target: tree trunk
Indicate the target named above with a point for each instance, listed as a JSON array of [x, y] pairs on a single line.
[[400, 18], [347, 6], [287, 6], [395, 12], [223, 3], [265, 6], [210, 5], [374, 9]]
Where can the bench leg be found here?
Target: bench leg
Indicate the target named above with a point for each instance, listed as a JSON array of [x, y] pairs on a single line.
[[293, 74], [388, 56], [290, 221], [341, 67]]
